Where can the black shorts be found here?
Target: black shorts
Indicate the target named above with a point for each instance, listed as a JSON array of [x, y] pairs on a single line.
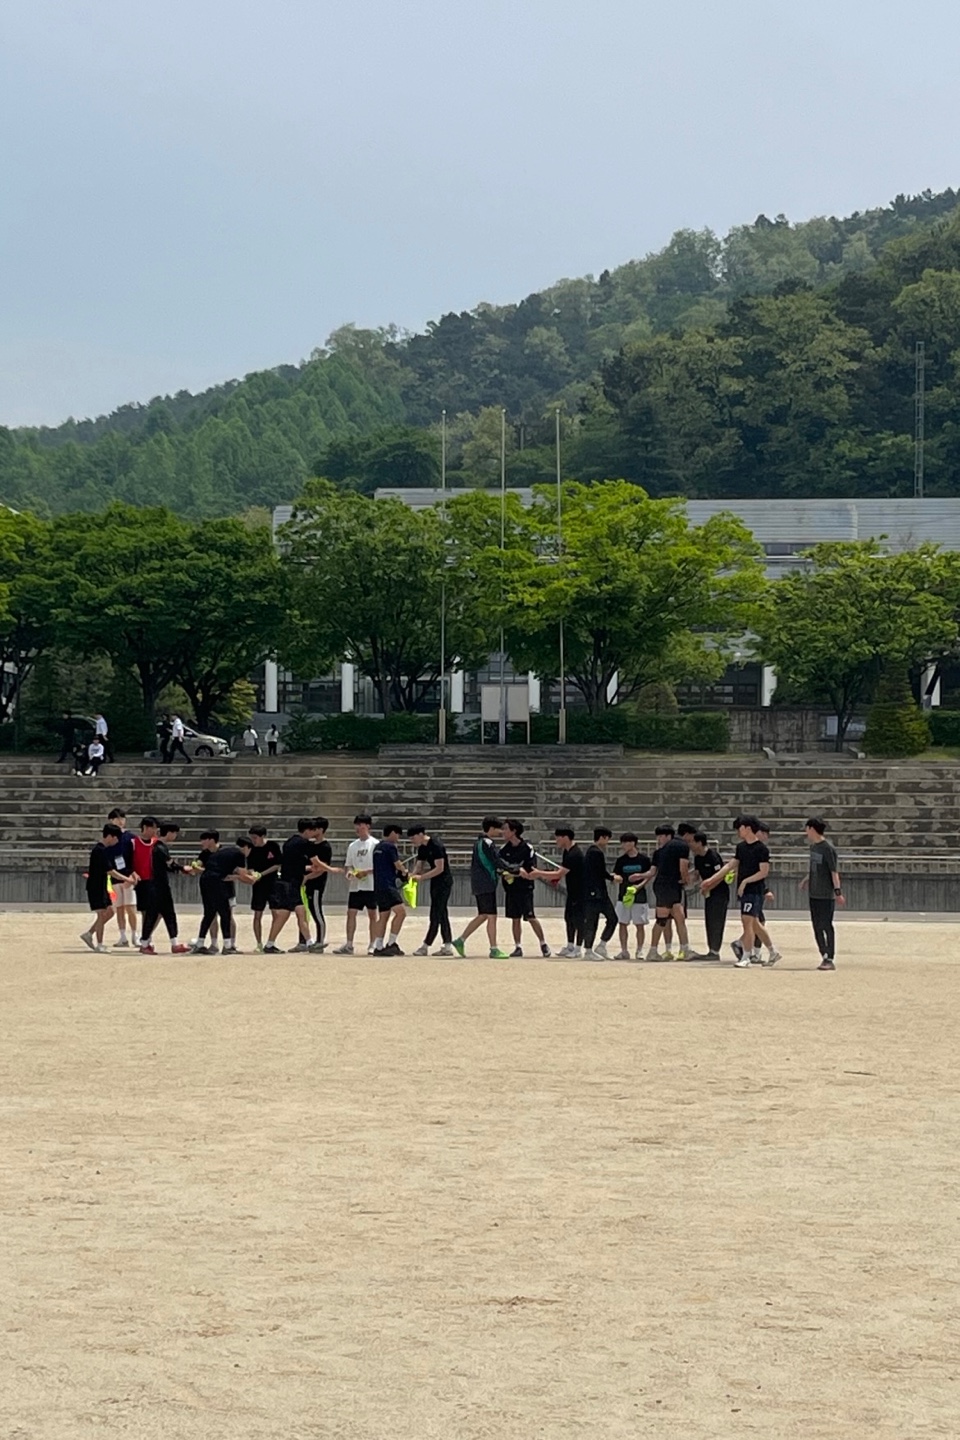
[[387, 899], [284, 895], [260, 893], [361, 900], [751, 903], [98, 899], [666, 896], [518, 901], [486, 903]]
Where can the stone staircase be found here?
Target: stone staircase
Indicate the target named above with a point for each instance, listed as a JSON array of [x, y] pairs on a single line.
[[903, 818]]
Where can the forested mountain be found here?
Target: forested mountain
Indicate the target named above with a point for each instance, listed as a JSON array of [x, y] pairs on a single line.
[[775, 361]]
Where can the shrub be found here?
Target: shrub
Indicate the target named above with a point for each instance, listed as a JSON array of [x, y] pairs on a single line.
[[895, 725], [944, 726], [357, 732]]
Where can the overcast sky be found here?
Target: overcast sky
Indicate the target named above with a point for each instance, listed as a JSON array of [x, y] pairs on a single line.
[[194, 189]]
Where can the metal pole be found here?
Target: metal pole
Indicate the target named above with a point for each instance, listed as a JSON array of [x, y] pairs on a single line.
[[562, 717], [442, 714], [502, 727]]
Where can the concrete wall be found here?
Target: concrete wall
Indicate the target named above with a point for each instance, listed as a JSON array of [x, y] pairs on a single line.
[[792, 731]]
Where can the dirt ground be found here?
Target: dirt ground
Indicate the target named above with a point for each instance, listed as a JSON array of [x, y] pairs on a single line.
[[405, 1199]]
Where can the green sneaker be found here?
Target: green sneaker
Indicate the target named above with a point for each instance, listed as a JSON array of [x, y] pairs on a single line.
[[458, 945], [497, 954]]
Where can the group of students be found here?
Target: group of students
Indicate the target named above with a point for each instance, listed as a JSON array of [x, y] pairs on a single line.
[[130, 874]]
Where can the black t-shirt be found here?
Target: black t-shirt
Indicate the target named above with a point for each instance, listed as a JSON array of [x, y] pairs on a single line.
[[219, 864], [429, 854], [823, 863], [667, 860], [163, 865], [296, 855], [595, 872], [322, 850], [706, 866], [520, 854], [750, 855], [265, 856], [572, 861], [101, 863], [628, 866]]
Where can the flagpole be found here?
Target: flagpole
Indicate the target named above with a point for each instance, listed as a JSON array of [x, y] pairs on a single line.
[[442, 715], [562, 717], [502, 726]]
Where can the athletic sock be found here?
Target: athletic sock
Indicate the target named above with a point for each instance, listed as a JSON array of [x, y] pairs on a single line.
[[377, 945]]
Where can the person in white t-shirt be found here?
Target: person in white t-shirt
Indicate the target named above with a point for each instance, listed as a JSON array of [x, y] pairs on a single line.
[[176, 747], [359, 868], [103, 735], [251, 740]]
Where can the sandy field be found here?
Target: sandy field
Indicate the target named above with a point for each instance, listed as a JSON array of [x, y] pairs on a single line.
[[404, 1199]]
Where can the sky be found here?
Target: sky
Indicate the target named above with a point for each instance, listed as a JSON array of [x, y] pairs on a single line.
[[193, 190]]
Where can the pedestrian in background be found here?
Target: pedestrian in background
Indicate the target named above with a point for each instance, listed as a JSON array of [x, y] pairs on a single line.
[[177, 732], [103, 735], [251, 740], [273, 740]]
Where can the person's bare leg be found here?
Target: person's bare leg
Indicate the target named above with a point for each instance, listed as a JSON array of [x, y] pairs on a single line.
[[474, 924], [537, 929], [258, 926], [624, 937], [277, 922], [515, 925], [492, 930], [351, 924], [399, 914], [680, 920], [641, 933], [100, 924]]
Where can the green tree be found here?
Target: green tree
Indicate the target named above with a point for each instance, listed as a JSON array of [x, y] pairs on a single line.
[[830, 629], [644, 596], [26, 626], [366, 579]]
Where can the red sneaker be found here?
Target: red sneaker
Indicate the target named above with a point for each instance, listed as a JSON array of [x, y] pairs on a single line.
[[147, 950], [179, 949]]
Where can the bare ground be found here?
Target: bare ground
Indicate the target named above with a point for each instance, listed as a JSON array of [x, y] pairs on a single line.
[[396, 1200]]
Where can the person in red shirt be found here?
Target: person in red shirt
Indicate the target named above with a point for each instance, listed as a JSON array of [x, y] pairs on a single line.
[[141, 861]]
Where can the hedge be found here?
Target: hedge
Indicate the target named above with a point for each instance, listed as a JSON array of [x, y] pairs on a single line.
[[707, 730], [944, 726]]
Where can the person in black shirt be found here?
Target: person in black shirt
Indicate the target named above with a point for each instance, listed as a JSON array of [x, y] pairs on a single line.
[[824, 891], [635, 870], [518, 888], [388, 870], [569, 869], [264, 859], [219, 865], [751, 866], [712, 872], [100, 870], [672, 862], [286, 895], [596, 898], [433, 864], [316, 881]]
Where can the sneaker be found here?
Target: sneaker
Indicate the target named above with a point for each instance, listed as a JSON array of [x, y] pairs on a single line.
[[565, 952], [737, 947], [214, 950], [147, 949], [545, 951], [346, 949], [121, 944], [445, 950], [259, 947], [686, 953], [593, 955], [668, 954], [496, 953], [517, 954], [622, 955], [103, 950], [199, 949], [372, 950], [392, 949], [271, 949], [826, 965], [318, 947], [653, 954], [459, 946], [744, 961], [422, 950], [230, 950], [756, 957], [179, 949], [577, 952], [601, 950], [772, 958], [639, 954], [88, 940], [301, 947]]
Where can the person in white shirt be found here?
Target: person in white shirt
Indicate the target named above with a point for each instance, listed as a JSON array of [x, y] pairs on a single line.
[[251, 740], [95, 756], [273, 740], [103, 735], [177, 733], [359, 868]]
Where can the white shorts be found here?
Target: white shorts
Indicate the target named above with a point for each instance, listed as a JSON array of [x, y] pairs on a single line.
[[636, 915]]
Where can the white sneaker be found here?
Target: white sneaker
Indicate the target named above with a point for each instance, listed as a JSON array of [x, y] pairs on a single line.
[[101, 949], [745, 961], [601, 950], [591, 955], [371, 949], [88, 940], [772, 958], [639, 954], [445, 950], [653, 953], [622, 955], [421, 950], [346, 949], [565, 952], [121, 944], [576, 952]]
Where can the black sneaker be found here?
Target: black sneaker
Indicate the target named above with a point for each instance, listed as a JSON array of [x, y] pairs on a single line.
[[737, 948], [517, 954], [826, 964], [392, 949]]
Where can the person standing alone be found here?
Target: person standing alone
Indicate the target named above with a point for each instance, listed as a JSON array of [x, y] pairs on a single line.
[[824, 891], [177, 733]]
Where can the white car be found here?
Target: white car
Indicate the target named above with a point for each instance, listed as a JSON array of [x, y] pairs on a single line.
[[198, 746]]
